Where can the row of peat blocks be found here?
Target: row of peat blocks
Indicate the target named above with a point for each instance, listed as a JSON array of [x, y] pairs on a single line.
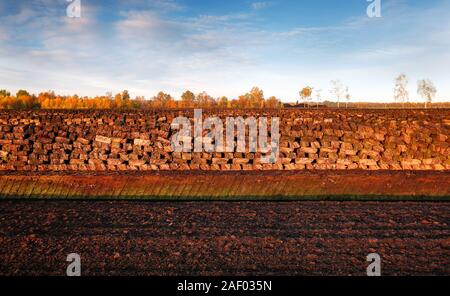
[[141, 140]]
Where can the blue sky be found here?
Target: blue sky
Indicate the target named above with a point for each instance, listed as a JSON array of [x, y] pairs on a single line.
[[224, 47]]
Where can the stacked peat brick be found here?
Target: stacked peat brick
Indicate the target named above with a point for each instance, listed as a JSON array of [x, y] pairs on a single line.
[[140, 140]]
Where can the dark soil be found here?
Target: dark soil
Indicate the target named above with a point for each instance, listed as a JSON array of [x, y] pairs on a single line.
[[224, 238]]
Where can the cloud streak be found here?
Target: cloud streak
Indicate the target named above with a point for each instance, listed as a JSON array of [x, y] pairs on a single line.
[[261, 5]]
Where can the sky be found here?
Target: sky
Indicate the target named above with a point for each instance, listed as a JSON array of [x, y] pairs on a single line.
[[224, 47]]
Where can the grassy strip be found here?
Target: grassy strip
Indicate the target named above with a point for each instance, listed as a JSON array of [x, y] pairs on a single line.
[[231, 187]]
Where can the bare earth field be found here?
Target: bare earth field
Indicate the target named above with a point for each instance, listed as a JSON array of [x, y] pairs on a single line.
[[224, 238]]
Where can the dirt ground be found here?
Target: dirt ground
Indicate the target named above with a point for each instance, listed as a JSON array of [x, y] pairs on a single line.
[[224, 238]]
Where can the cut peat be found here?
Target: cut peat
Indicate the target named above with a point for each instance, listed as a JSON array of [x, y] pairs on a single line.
[[211, 185]]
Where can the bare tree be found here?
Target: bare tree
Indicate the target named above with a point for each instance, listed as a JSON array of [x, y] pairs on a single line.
[[318, 93], [348, 97], [400, 93], [337, 89], [427, 90]]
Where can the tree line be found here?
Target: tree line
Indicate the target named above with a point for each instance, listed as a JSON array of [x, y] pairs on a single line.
[[49, 100], [252, 99], [425, 89]]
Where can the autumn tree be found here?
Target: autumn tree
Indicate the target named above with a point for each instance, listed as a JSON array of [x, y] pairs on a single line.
[[122, 100], [105, 102], [139, 103], [4, 93], [21, 93], [125, 95], [188, 99], [272, 102], [6, 101], [400, 93], [204, 100], [162, 100], [25, 101], [21, 96], [45, 98], [222, 102], [234, 103], [305, 94], [243, 101], [126, 99], [427, 90], [256, 98], [118, 101]]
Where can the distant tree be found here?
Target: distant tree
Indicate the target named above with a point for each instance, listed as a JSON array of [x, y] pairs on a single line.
[[4, 93], [243, 101], [125, 95], [234, 103], [126, 99], [205, 101], [188, 99], [256, 97], [25, 101], [348, 97], [272, 102], [400, 93], [162, 100], [22, 92], [427, 90], [337, 89], [318, 94], [223, 102], [118, 101], [305, 94], [138, 103]]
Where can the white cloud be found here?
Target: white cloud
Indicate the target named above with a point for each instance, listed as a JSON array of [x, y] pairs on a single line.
[[261, 5], [147, 27]]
